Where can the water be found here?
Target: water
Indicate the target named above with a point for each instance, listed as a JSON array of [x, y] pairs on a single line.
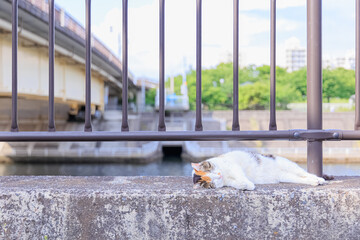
[[346, 169], [171, 166]]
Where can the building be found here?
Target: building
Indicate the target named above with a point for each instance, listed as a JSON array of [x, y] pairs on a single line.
[[295, 58], [347, 62]]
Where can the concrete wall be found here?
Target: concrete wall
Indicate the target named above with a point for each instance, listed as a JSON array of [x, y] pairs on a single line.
[[334, 151], [169, 208], [33, 74]]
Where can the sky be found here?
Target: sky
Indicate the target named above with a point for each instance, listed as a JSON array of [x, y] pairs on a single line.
[[338, 26]]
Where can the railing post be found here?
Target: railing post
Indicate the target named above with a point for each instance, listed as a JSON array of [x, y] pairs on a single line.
[[314, 84], [51, 126], [235, 125], [272, 124], [198, 123], [14, 122], [88, 127], [161, 126], [124, 121], [357, 67]]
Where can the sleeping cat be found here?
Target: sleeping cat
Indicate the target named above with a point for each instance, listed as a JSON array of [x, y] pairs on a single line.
[[242, 170]]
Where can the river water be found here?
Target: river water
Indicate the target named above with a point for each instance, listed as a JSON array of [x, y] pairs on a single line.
[[170, 166]]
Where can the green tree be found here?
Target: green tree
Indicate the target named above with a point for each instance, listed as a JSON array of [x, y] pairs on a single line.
[[254, 96], [217, 86], [150, 97], [338, 83]]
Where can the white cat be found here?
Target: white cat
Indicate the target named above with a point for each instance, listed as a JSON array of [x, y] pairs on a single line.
[[242, 170]]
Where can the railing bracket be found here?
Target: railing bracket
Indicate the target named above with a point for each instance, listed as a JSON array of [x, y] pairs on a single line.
[[317, 135]]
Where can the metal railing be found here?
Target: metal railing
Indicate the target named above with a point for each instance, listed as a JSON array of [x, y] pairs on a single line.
[[314, 134]]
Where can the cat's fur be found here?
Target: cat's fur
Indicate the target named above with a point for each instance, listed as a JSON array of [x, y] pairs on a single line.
[[242, 170]]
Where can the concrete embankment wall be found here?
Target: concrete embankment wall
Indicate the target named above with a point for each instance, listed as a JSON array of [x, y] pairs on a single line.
[[334, 151], [169, 208], [142, 152], [35, 119]]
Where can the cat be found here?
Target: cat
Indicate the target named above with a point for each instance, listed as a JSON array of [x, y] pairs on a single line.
[[242, 170]]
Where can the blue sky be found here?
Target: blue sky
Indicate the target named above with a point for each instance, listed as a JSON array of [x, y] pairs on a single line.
[[338, 31]]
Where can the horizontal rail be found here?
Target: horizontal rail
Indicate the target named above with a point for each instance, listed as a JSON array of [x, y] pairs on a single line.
[[294, 134]]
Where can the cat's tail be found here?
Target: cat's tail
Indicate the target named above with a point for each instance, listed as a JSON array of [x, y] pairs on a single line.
[[328, 177]]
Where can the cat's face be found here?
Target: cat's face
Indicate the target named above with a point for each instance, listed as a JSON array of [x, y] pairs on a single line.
[[206, 175]]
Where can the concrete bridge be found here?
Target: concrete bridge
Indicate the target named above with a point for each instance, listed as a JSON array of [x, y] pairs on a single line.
[[69, 60]]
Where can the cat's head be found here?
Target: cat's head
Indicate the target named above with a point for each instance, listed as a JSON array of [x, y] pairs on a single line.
[[205, 174]]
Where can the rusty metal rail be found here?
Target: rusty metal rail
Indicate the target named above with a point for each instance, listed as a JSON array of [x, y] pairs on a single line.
[[314, 135], [295, 135]]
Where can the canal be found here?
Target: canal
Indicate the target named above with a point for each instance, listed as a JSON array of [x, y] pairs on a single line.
[[170, 166]]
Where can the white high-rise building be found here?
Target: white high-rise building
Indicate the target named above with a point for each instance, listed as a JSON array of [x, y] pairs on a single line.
[[295, 58], [347, 62]]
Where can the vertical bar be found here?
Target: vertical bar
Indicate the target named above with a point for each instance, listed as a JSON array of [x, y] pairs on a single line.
[[272, 124], [198, 124], [314, 84], [235, 125], [162, 126], [357, 67], [51, 126], [88, 127], [124, 124], [14, 123]]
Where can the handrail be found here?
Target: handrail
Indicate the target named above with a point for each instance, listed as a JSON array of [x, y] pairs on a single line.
[[314, 134]]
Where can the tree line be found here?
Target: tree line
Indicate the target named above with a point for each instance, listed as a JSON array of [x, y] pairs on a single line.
[[254, 86]]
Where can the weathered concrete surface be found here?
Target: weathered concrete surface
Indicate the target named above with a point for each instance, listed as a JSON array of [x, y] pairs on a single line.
[[169, 208]]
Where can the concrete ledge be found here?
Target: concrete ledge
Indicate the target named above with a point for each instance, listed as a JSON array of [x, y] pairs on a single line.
[[168, 208]]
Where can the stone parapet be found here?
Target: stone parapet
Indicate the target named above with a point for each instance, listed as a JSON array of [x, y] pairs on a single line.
[[169, 208]]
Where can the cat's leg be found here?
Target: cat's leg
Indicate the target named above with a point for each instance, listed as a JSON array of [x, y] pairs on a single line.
[[239, 180], [298, 171], [287, 177], [242, 184], [315, 178], [290, 167], [236, 178]]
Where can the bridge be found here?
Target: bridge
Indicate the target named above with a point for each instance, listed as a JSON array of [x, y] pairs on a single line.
[[69, 83], [33, 68]]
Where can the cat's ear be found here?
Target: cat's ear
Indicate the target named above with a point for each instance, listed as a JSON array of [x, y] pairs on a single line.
[[196, 166], [206, 166]]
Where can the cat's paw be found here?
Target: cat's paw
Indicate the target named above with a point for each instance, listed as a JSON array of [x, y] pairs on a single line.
[[250, 186], [316, 181], [321, 180]]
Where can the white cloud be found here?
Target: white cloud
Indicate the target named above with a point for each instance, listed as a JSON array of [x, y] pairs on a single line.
[[109, 30], [180, 40], [293, 42]]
